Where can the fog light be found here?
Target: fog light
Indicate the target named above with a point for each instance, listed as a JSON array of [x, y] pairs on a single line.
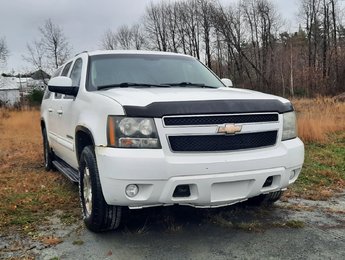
[[293, 174], [132, 190]]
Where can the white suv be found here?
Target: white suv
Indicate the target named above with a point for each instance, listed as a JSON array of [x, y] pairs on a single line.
[[140, 129]]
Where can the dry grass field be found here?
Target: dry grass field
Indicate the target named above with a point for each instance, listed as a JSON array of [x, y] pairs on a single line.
[[318, 118], [29, 194]]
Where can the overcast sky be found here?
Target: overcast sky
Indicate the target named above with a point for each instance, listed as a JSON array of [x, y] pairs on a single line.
[[83, 21]]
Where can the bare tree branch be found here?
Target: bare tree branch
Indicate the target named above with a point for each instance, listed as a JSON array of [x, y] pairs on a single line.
[[54, 43], [4, 52], [109, 40]]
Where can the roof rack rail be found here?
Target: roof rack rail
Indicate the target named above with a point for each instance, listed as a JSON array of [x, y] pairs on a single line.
[[80, 53]]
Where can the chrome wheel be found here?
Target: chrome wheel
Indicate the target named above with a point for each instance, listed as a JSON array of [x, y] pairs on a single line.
[[87, 191], [98, 215]]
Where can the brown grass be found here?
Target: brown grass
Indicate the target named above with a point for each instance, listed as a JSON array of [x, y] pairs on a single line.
[[28, 193], [319, 117]]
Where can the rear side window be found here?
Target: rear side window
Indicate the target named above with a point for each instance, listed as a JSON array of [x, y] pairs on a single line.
[[66, 69], [76, 72]]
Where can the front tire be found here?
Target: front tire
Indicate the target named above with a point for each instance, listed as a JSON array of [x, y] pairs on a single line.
[[98, 215]]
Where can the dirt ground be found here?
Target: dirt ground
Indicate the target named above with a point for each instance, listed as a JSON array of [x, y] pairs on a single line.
[[293, 229]]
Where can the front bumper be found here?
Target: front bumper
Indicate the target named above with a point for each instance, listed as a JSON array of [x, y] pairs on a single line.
[[214, 179]]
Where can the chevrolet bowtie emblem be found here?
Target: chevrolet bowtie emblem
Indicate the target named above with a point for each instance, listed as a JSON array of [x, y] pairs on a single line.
[[229, 129]]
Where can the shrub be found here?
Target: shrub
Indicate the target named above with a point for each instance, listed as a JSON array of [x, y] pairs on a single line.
[[35, 97]]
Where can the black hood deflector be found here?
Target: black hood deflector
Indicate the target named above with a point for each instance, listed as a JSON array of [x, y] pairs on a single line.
[[160, 109]]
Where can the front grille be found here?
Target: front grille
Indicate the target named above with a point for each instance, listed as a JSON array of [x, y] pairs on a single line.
[[212, 143], [220, 119]]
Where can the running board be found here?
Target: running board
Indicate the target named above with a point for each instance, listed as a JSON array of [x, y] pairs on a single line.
[[66, 170]]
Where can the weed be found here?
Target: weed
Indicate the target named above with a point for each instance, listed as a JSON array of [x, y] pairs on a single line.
[[221, 221], [289, 224], [171, 224], [254, 226], [69, 218], [78, 242], [294, 224], [296, 207]]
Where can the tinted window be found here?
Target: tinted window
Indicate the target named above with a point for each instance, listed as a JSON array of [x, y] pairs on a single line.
[[66, 69], [147, 69]]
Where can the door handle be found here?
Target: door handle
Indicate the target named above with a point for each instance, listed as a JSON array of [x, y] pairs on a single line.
[[50, 110], [60, 112]]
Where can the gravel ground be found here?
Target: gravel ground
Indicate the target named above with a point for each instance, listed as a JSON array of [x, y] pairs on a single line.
[[294, 229]]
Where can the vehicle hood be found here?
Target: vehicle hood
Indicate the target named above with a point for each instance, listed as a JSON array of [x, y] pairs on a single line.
[[144, 96]]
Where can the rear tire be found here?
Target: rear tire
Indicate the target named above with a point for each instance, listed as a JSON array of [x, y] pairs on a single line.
[[47, 152], [265, 199], [98, 215]]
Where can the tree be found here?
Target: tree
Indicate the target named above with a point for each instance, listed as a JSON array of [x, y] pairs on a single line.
[[244, 41], [125, 38], [205, 12], [138, 38], [4, 52], [35, 55], [36, 58], [109, 40], [50, 51], [54, 43], [156, 23]]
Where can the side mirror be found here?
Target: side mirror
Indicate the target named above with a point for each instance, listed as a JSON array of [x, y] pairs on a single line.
[[62, 85], [227, 82]]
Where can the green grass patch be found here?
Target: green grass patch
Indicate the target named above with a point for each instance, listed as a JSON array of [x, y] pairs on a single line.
[[26, 204], [323, 172], [78, 242], [295, 224]]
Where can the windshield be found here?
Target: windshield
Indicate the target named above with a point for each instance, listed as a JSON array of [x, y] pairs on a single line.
[[148, 70]]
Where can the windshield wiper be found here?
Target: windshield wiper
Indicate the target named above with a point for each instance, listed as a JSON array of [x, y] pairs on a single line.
[[129, 84], [183, 84]]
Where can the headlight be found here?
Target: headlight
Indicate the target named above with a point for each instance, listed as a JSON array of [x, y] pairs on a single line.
[[131, 132], [128, 126], [289, 126]]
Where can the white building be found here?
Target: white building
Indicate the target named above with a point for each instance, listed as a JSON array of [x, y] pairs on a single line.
[[9, 91], [12, 88]]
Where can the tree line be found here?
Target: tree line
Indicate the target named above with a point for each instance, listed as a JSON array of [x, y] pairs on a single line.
[[244, 41]]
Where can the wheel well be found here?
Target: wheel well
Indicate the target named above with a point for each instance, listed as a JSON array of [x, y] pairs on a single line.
[[83, 138]]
